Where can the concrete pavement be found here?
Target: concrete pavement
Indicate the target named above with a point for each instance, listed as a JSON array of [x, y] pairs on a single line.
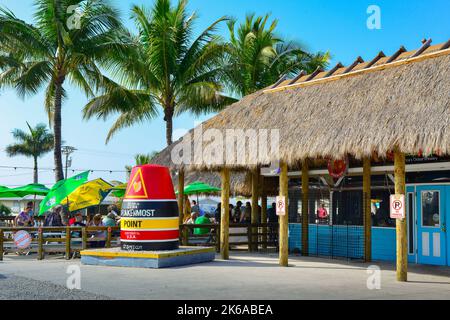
[[245, 276]]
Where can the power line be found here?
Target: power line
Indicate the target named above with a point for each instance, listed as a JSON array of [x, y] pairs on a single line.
[[73, 170]]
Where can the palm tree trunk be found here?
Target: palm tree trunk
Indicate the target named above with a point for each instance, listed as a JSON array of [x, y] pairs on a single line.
[[59, 175], [168, 118], [35, 172]]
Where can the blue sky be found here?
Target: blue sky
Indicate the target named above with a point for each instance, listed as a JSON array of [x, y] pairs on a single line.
[[320, 25]]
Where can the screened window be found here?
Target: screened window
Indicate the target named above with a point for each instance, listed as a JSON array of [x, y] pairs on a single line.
[[430, 209]]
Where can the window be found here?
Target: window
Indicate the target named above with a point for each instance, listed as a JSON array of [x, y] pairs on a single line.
[[410, 208], [430, 209]]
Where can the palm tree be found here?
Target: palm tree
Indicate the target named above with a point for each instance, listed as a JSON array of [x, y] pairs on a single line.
[[69, 40], [166, 68], [258, 58], [141, 159], [35, 143]]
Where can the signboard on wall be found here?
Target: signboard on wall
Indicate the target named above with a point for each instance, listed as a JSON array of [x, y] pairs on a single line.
[[397, 206], [281, 205]]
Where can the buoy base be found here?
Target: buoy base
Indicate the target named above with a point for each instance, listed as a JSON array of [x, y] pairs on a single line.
[[149, 246], [116, 257]]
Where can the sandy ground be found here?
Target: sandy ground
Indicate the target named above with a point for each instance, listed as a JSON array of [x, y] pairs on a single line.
[[245, 276]]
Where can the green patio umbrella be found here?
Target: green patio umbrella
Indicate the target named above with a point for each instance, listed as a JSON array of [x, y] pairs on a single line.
[[61, 190], [119, 190], [198, 187], [5, 192], [34, 189]]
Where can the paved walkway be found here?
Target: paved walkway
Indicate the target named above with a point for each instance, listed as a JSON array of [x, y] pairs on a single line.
[[245, 276]]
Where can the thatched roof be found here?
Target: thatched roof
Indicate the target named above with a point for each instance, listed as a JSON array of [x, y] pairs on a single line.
[[401, 102], [240, 182]]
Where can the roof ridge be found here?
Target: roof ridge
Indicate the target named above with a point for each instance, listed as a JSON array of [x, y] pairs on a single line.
[[359, 66]]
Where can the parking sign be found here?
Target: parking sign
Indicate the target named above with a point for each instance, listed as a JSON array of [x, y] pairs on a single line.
[[397, 205], [281, 205]]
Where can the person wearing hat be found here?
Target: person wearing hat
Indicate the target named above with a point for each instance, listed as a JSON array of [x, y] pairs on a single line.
[[54, 218]]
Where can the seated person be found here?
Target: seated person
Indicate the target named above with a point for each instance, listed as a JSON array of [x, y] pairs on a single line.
[[77, 222], [202, 220], [54, 218], [109, 220], [194, 216], [97, 222]]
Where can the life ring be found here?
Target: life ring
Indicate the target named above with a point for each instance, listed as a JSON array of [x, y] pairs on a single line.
[[337, 168]]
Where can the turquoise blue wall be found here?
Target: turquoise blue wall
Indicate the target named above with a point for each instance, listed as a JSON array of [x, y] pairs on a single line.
[[332, 241]]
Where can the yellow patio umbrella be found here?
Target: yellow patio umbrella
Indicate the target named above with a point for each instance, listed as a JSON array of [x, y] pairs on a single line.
[[88, 194]]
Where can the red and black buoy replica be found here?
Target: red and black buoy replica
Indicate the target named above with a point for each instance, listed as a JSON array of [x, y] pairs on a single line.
[[149, 216]]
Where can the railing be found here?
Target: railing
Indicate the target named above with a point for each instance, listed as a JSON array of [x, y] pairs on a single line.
[[65, 240], [68, 240], [8, 221], [254, 236]]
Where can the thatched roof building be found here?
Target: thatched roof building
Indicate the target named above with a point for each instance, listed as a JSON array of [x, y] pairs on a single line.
[[364, 109], [398, 104]]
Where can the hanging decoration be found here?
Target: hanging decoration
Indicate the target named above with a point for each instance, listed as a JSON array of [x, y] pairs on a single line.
[[337, 168]]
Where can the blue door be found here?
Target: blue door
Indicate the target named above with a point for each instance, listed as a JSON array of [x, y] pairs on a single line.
[[432, 207]]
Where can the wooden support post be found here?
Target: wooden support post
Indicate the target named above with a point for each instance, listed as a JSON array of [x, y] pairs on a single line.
[[305, 208], [40, 255], [263, 213], [84, 238], [249, 238], [185, 236], [1, 245], [283, 220], [367, 214], [255, 208], [217, 231], [67, 243], [181, 196], [108, 238], [402, 242], [224, 216]]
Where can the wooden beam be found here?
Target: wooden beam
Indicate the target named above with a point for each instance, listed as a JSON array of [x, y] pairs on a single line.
[[367, 210], [375, 60], [283, 78], [401, 236], [314, 74], [224, 216], [255, 208], [426, 44], [334, 69], [263, 212], [445, 45], [354, 64], [305, 208], [297, 77], [396, 55], [180, 196], [283, 220]]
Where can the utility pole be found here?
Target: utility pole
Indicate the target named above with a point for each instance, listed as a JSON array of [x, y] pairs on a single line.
[[67, 151]]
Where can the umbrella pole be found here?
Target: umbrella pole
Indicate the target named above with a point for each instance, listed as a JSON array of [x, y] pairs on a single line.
[[34, 208]]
